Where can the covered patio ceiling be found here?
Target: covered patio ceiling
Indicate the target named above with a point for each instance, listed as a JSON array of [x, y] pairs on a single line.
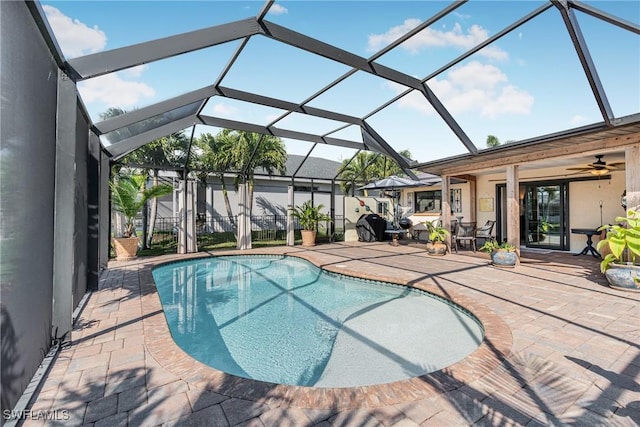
[[564, 149], [355, 131]]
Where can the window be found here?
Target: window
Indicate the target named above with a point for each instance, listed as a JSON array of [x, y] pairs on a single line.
[[305, 188], [428, 201], [431, 201], [382, 208]]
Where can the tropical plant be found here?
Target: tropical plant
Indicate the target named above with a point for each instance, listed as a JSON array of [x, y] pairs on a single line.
[[623, 240], [356, 171], [212, 159], [128, 196], [309, 216], [437, 233], [492, 141], [367, 167], [244, 152], [166, 151], [493, 245]]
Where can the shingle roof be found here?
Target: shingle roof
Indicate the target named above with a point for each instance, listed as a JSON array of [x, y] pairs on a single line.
[[314, 167]]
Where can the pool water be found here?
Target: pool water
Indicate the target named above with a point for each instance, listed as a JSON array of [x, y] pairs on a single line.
[[282, 320]]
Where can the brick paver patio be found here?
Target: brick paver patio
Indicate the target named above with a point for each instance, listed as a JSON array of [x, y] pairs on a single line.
[[562, 348]]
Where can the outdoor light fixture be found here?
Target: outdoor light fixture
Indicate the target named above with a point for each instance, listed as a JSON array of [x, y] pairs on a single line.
[[599, 171], [623, 200]]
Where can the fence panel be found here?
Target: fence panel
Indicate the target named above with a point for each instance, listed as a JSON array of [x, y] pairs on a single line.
[[223, 229]]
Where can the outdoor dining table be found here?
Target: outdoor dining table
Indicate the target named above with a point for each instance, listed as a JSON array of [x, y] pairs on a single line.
[[589, 232], [395, 235]]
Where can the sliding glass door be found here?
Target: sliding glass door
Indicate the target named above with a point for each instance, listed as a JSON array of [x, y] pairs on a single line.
[[544, 215]]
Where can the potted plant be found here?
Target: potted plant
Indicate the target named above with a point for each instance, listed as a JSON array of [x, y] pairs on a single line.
[[128, 196], [502, 254], [621, 265], [437, 238], [308, 217]]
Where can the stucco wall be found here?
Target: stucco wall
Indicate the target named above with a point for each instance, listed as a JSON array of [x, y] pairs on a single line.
[[354, 210], [584, 198]]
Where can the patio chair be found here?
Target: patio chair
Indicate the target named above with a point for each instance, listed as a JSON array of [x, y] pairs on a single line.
[[485, 231], [465, 232], [454, 227]]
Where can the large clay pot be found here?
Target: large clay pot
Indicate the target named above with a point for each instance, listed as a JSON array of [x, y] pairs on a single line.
[[125, 248], [436, 248], [625, 277], [504, 258], [308, 237]]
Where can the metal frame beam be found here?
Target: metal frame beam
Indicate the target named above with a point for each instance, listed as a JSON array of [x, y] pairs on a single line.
[[97, 64], [370, 135], [286, 105], [309, 44], [580, 45], [145, 113], [283, 133], [126, 146], [597, 13], [207, 92], [293, 176]]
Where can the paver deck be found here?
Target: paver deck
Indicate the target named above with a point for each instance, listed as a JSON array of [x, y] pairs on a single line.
[[561, 348]]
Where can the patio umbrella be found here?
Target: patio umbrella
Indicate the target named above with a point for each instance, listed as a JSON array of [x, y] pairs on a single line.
[[395, 184], [392, 183]]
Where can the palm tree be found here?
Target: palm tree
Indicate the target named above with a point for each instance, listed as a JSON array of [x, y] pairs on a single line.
[[367, 167], [384, 166], [492, 141], [166, 151], [213, 158], [247, 151], [359, 171]]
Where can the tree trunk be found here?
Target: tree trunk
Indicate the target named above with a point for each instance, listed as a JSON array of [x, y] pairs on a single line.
[[154, 212], [227, 204], [250, 195]]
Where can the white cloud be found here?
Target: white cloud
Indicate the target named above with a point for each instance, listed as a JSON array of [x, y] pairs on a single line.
[[222, 108], [135, 71], [430, 38], [471, 88], [277, 9], [511, 100], [578, 120], [378, 41], [475, 74], [114, 91], [74, 37]]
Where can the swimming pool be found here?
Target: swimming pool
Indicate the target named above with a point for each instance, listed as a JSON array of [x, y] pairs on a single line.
[[281, 319]]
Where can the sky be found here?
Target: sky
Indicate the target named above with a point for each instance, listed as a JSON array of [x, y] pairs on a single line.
[[528, 83]]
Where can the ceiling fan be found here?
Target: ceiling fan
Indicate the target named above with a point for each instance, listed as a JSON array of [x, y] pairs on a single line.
[[599, 167]]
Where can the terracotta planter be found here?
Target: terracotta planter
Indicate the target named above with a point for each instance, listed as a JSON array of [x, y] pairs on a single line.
[[436, 248], [504, 258], [125, 248], [308, 237], [625, 277]]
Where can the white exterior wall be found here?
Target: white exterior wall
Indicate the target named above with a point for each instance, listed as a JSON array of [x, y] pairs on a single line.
[[269, 198], [584, 198], [353, 212]]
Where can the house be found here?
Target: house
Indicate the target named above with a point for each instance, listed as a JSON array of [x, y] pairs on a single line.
[[314, 179], [540, 192]]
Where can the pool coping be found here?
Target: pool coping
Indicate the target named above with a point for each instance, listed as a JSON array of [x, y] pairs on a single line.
[[494, 349]]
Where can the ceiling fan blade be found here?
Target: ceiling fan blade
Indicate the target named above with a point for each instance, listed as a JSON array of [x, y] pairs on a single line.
[[587, 168], [619, 165]]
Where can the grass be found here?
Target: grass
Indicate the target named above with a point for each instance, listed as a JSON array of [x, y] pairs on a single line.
[[164, 243]]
